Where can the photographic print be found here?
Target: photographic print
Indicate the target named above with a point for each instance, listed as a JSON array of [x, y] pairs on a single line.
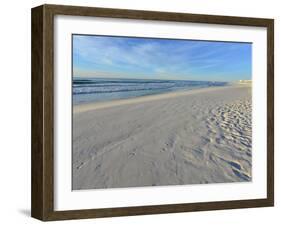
[[146, 112], [155, 111]]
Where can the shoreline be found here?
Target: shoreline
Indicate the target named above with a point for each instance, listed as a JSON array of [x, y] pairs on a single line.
[[79, 108]]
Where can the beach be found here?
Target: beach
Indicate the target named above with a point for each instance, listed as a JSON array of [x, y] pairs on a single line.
[[196, 136]]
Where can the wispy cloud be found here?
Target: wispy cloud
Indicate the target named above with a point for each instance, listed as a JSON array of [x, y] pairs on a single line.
[[160, 58]]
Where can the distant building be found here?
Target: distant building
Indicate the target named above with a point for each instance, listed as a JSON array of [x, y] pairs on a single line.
[[245, 81]]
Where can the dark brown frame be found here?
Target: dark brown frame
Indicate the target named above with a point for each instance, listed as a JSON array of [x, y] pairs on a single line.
[[42, 203]]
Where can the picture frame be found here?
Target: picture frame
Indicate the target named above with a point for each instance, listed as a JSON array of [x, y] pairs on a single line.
[[43, 108]]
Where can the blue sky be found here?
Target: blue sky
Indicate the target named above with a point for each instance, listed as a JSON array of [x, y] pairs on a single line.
[[148, 58]]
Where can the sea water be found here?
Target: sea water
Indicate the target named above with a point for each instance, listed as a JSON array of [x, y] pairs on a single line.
[[88, 90]]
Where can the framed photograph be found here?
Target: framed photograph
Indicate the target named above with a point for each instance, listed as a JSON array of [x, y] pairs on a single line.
[[142, 112]]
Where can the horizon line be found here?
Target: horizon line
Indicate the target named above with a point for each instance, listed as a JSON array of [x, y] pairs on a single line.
[[87, 77]]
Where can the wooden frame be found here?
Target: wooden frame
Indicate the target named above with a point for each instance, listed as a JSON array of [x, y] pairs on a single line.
[[42, 205]]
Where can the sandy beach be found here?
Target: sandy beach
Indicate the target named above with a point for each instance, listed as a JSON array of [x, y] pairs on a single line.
[[187, 137]]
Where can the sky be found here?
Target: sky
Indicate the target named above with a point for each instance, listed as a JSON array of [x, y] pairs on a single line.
[[150, 58]]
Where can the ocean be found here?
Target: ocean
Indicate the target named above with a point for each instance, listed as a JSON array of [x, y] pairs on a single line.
[[89, 90]]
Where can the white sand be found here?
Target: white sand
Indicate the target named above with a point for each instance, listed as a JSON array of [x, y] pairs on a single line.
[[200, 136]]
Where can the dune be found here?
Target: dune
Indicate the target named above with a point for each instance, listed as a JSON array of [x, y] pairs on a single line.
[[189, 137]]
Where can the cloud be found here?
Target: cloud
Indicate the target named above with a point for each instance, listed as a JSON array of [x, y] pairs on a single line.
[[145, 56]]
